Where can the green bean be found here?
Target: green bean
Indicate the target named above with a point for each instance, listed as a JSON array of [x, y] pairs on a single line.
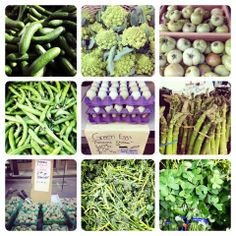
[[19, 150], [25, 131], [11, 139]]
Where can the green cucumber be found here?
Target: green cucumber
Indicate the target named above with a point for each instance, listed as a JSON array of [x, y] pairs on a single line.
[[26, 37], [13, 23], [67, 67], [49, 37], [42, 61]]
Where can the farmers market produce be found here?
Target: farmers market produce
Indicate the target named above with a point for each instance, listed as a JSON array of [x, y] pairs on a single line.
[[29, 217], [40, 40], [122, 101], [55, 227], [194, 19], [52, 214], [178, 56], [24, 228], [195, 195], [196, 124], [40, 118], [118, 195], [117, 41]]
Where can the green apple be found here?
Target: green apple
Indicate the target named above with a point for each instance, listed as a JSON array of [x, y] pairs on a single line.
[[163, 28], [174, 26], [187, 11], [226, 61], [222, 29], [191, 57], [171, 8], [208, 49], [202, 59], [192, 71], [166, 44], [221, 70], [208, 21], [217, 11], [189, 27], [183, 44], [175, 15], [217, 20], [199, 10], [228, 47], [196, 18], [174, 70], [174, 56], [210, 74], [217, 47], [162, 60], [204, 68], [203, 28], [200, 44]]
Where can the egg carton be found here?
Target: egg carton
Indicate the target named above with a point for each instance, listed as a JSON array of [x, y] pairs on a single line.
[[103, 117], [122, 93]]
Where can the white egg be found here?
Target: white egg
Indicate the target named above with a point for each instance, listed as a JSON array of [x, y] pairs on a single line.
[[132, 83], [90, 94], [113, 94], [95, 89], [115, 83], [113, 89], [96, 109], [136, 95], [145, 88], [102, 94], [124, 94], [141, 83], [147, 94], [108, 108], [95, 84], [118, 108], [141, 109], [133, 89], [129, 108]]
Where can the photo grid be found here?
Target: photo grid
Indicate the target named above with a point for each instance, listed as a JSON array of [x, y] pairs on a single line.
[[102, 132]]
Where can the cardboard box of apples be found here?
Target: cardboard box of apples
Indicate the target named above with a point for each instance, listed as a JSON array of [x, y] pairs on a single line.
[[195, 41]]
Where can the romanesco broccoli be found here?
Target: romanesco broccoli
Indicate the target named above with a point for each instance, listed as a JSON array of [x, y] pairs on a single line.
[[87, 16], [106, 39], [145, 65], [114, 16], [125, 66], [93, 64], [134, 37]]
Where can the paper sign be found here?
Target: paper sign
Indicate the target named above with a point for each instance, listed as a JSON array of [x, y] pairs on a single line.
[[117, 138], [42, 175], [41, 189]]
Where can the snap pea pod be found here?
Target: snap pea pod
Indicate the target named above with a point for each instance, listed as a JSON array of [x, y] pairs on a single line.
[[19, 150]]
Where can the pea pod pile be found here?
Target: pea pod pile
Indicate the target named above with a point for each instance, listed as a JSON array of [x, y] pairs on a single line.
[[200, 124], [40, 118], [40, 41]]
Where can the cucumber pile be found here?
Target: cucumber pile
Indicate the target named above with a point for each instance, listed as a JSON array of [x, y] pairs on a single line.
[[40, 41]]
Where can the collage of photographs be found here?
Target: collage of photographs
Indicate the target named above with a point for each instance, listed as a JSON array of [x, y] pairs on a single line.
[[97, 138]]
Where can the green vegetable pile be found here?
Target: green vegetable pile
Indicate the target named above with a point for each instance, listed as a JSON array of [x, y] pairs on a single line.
[[40, 40], [118, 195], [117, 41], [200, 124], [195, 195], [40, 118]]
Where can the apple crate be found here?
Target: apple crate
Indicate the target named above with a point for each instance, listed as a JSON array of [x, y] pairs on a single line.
[[211, 36]]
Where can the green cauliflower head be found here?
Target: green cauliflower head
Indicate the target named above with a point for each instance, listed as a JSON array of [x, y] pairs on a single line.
[[144, 65], [105, 39], [125, 66], [114, 16], [134, 37], [93, 64]]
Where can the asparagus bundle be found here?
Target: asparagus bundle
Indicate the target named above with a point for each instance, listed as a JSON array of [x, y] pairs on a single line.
[[199, 124]]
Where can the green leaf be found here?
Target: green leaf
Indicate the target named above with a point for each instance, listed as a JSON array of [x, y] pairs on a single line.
[[218, 206], [212, 199], [164, 191], [201, 191]]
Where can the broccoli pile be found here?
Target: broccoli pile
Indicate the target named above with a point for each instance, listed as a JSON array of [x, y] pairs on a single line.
[[118, 42]]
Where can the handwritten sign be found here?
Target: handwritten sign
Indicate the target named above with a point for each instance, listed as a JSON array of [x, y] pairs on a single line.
[[42, 175], [117, 138]]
